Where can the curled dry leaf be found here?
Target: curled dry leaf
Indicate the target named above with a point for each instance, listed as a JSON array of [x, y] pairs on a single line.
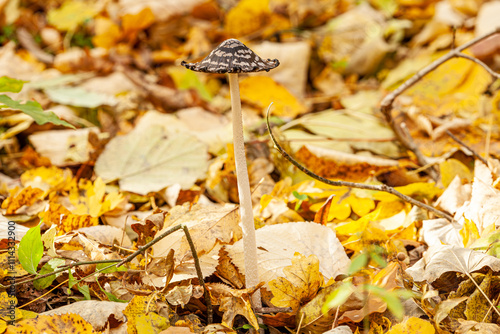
[[440, 259]]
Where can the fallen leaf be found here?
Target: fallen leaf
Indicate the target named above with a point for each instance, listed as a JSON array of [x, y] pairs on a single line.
[[260, 91], [413, 326], [440, 259], [148, 160], [301, 282], [276, 245]]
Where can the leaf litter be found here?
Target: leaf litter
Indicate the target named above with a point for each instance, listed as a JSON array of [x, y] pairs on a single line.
[[151, 150]]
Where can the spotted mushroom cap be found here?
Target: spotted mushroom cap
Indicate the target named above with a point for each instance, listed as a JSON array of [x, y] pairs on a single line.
[[232, 56]]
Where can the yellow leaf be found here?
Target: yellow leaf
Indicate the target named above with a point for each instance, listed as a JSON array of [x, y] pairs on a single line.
[[64, 323], [417, 189], [247, 17], [451, 168], [301, 284], [107, 33], [91, 198], [47, 178], [26, 197], [469, 232], [412, 325], [132, 23], [456, 86], [260, 91], [71, 14]]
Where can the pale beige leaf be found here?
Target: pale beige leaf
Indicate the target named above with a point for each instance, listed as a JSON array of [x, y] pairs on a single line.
[[440, 259], [97, 312], [147, 160], [276, 245]]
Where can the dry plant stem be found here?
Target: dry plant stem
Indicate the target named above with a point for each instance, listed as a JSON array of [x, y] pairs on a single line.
[[386, 105], [245, 196], [382, 187], [64, 268], [477, 156], [195, 257]]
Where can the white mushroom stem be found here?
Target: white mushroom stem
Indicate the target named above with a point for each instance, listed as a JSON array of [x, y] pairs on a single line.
[[245, 196]]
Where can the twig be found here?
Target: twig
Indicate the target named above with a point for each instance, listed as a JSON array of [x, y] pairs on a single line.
[[474, 153], [195, 257], [382, 187], [386, 104], [60, 270]]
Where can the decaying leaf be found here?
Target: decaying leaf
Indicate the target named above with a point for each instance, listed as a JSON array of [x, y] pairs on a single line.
[[300, 284]]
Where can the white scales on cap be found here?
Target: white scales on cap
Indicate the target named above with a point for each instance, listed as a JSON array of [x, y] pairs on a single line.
[[232, 56]]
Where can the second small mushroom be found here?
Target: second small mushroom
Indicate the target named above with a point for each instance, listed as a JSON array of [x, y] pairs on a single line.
[[233, 57]]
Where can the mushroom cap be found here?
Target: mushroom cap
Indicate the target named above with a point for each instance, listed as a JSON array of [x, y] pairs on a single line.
[[232, 56]]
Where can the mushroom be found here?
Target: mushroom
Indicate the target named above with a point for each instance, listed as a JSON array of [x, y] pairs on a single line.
[[233, 57]]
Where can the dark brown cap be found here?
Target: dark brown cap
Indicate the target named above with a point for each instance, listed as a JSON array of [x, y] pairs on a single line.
[[232, 56]]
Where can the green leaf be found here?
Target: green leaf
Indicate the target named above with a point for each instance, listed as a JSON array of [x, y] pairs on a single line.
[[391, 298], [85, 291], [358, 263], [33, 109], [42, 283], [47, 268], [338, 297], [110, 296], [31, 250], [11, 85], [298, 196]]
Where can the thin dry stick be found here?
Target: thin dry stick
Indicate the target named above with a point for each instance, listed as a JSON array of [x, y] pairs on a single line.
[[195, 257], [474, 153], [386, 105], [382, 187], [64, 268]]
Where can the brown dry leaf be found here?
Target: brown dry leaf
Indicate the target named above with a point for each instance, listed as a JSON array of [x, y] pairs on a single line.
[[301, 282], [233, 302], [441, 259], [321, 216], [276, 245], [228, 271], [315, 320], [179, 295], [339, 165], [99, 313], [210, 227], [65, 323]]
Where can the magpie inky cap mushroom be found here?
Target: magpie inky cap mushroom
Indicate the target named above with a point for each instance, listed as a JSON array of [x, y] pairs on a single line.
[[233, 57]]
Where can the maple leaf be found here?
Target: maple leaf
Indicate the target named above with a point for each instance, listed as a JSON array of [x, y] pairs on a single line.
[[300, 284]]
